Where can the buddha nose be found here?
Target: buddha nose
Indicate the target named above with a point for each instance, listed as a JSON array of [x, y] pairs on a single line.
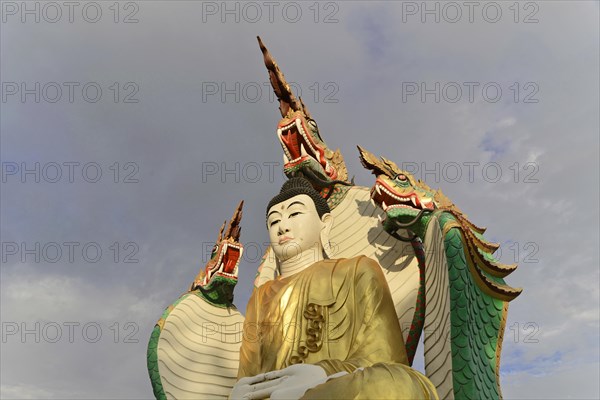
[[283, 228]]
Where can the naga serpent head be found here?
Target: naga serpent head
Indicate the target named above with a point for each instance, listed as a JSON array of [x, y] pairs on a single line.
[[409, 204], [220, 275], [304, 151], [406, 201]]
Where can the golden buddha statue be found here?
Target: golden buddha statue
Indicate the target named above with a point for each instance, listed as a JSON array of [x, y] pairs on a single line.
[[324, 328]]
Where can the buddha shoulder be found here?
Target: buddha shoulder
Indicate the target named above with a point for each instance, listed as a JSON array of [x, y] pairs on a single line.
[[361, 267]]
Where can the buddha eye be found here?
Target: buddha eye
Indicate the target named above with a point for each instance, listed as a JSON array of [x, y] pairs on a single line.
[[275, 221], [295, 213]]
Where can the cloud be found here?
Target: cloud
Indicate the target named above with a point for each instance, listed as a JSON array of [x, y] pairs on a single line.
[[23, 392], [543, 207]]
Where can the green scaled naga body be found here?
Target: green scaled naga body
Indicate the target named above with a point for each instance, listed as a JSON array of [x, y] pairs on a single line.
[[194, 348], [475, 293]]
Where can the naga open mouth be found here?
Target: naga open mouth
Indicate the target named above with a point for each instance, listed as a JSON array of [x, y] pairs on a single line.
[[300, 148], [226, 265], [389, 199]]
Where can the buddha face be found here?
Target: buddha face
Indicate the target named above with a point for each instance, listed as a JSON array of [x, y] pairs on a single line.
[[295, 227]]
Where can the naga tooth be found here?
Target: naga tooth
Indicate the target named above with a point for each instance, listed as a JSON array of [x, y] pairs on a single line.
[[379, 218], [414, 200], [378, 189], [286, 160], [383, 205], [303, 150]]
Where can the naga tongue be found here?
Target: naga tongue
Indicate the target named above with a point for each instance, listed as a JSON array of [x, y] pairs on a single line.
[[293, 144], [232, 257]]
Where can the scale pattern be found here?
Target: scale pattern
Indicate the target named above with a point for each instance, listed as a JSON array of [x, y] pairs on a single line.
[[194, 349], [152, 355], [152, 352], [476, 323]]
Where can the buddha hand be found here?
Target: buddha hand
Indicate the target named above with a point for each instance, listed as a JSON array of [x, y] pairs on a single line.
[[288, 383]]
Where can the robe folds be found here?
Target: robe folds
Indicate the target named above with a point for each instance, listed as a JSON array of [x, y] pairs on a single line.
[[339, 315]]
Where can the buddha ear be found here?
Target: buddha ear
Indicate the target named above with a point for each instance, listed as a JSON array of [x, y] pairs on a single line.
[[327, 223]]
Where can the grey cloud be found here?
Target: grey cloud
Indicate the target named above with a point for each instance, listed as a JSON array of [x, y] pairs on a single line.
[[173, 132]]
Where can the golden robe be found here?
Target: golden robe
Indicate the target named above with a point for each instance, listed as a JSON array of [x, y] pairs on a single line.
[[337, 314]]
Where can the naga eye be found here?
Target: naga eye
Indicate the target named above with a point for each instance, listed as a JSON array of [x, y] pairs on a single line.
[[313, 126], [401, 177]]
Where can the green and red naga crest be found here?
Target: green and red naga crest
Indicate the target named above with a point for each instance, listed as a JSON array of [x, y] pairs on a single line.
[[304, 151], [218, 279]]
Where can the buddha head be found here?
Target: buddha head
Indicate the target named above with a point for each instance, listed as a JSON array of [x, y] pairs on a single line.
[[298, 221]]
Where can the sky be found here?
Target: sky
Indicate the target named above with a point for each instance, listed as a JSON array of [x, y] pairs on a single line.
[[131, 130]]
